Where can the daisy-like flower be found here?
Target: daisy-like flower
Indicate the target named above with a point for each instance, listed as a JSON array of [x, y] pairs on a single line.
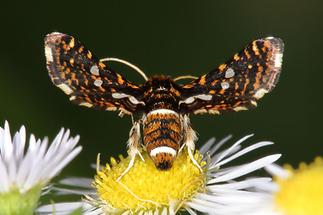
[[26, 168], [146, 190], [296, 191]]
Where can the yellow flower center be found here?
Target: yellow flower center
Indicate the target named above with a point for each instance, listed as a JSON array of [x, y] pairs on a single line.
[[146, 188], [302, 192]]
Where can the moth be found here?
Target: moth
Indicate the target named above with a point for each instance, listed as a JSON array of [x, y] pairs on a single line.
[[164, 106]]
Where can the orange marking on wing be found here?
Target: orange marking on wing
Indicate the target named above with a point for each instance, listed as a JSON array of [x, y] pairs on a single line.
[[202, 80], [247, 54], [188, 86], [72, 61], [86, 82], [221, 91], [89, 54], [245, 86], [102, 65], [267, 44], [120, 79], [237, 104], [255, 48], [236, 57], [67, 70], [236, 86], [88, 99], [81, 48], [174, 91], [72, 43], [102, 89], [214, 82], [222, 67], [257, 82], [65, 47], [132, 85]]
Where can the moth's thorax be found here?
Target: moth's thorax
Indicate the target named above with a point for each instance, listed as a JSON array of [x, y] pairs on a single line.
[[162, 131], [161, 92]]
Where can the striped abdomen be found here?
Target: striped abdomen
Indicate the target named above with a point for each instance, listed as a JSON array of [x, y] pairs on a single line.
[[162, 131]]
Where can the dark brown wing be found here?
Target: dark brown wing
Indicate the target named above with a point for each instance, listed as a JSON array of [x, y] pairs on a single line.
[[86, 80], [239, 83]]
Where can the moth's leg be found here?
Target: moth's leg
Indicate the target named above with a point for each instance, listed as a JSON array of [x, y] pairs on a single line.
[[133, 145], [189, 140]]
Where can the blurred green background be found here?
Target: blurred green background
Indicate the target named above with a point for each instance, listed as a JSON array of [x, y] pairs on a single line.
[[172, 38]]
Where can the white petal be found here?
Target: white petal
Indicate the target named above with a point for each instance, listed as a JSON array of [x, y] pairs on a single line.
[[24, 168], [222, 155], [60, 208], [219, 144], [4, 178], [206, 146], [276, 170], [79, 182], [260, 163], [242, 152], [240, 185]]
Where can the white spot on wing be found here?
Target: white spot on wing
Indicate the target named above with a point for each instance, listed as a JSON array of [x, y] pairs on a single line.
[[111, 108], [240, 108], [278, 60], [123, 95], [49, 54], [225, 85], [86, 104], [72, 98], [200, 111], [214, 112], [119, 95], [65, 88], [98, 82], [254, 103], [260, 93], [163, 149], [134, 100], [204, 97], [191, 99], [95, 70], [229, 73]]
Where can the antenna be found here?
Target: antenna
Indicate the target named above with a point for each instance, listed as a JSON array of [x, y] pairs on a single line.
[[128, 64], [185, 77]]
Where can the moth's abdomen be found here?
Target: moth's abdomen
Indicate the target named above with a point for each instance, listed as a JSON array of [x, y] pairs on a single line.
[[162, 131]]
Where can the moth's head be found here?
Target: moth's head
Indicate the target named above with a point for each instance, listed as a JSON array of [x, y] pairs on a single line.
[[160, 83], [163, 157]]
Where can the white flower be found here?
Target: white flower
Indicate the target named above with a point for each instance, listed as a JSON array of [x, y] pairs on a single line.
[[220, 190], [295, 191], [26, 168]]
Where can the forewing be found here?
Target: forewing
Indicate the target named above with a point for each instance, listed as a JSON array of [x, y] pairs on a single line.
[[86, 80], [239, 83]]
